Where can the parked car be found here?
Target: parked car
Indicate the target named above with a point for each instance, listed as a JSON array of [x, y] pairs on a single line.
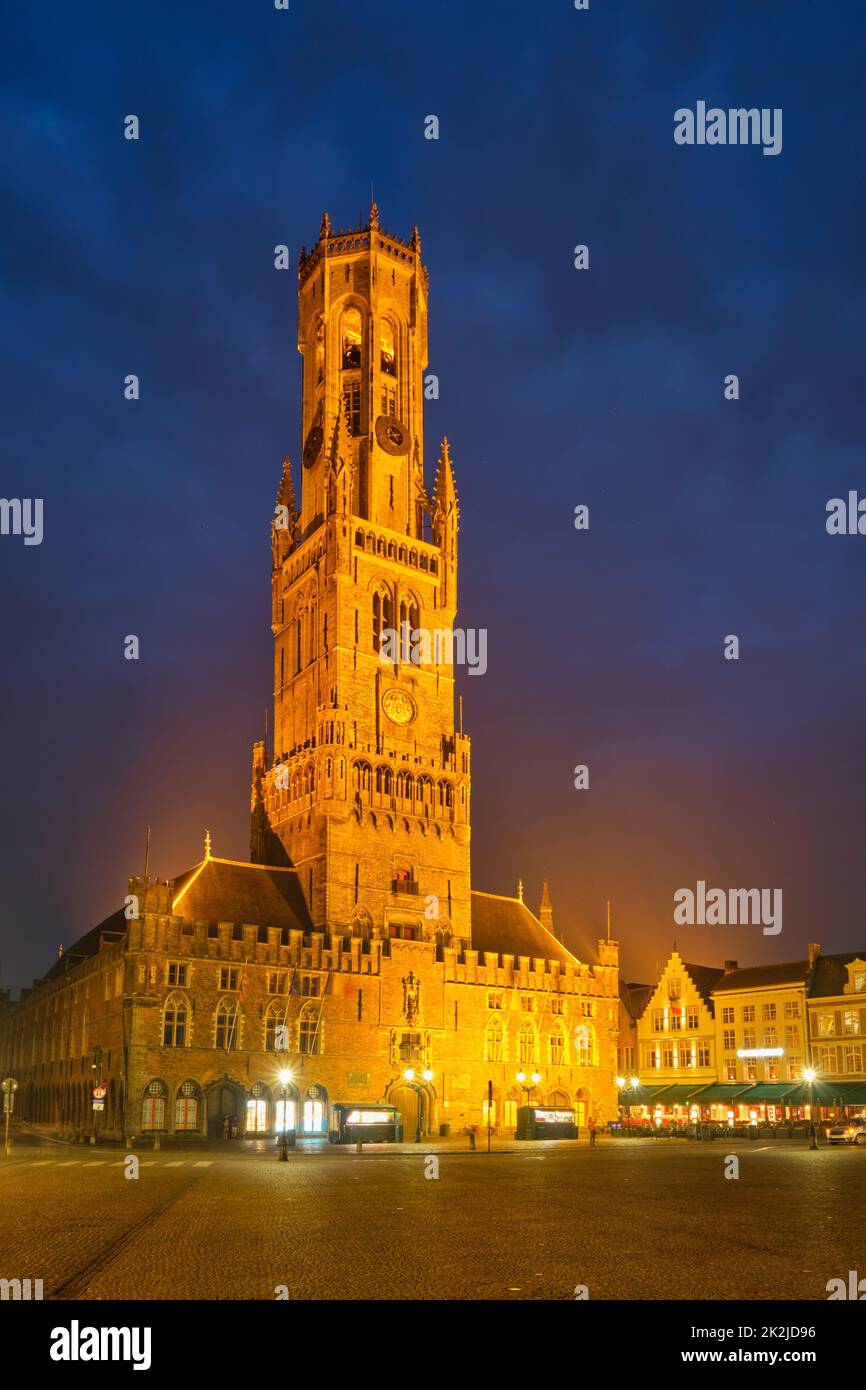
[[850, 1131]]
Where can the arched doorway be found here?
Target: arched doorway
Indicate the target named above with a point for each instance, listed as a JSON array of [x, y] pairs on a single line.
[[558, 1100], [226, 1100], [408, 1099], [582, 1107], [314, 1114]]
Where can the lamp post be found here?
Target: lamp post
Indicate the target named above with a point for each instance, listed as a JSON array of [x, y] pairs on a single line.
[[533, 1082], [409, 1076], [809, 1077], [622, 1086], [285, 1078]]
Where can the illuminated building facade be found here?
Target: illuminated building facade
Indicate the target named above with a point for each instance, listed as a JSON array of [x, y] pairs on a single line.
[[351, 951]]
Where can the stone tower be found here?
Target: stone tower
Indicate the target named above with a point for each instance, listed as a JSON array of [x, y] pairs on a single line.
[[367, 792]]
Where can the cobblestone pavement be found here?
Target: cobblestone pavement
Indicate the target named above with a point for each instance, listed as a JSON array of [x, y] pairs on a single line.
[[640, 1220]]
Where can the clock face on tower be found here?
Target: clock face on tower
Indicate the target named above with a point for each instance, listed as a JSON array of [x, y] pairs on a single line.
[[399, 706], [392, 435]]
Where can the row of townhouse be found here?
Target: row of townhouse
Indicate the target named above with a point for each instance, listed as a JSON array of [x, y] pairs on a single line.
[[741, 1041]]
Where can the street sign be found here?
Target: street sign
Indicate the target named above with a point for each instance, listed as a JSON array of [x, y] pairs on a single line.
[[100, 1092], [99, 1104]]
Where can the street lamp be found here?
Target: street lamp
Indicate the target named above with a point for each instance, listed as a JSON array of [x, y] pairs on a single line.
[[285, 1078], [409, 1076], [533, 1082], [809, 1075]]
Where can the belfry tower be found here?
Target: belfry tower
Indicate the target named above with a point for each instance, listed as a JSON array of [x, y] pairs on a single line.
[[367, 792]]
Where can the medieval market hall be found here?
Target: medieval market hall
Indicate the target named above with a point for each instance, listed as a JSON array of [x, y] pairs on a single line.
[[349, 966]]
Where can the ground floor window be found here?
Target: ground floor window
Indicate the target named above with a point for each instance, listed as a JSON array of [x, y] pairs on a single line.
[[285, 1120], [186, 1114], [153, 1113], [257, 1116], [511, 1114], [314, 1117]]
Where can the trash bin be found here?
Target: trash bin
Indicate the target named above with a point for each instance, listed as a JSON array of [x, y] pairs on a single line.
[[444, 1131]]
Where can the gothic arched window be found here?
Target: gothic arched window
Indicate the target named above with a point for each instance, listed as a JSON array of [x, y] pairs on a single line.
[[308, 1030], [526, 1045], [227, 1025], [388, 345], [350, 340], [493, 1041], [175, 1015]]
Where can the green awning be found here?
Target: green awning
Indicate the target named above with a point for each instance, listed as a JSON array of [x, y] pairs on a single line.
[[639, 1095], [855, 1093], [680, 1093], [822, 1092], [764, 1091], [727, 1090]]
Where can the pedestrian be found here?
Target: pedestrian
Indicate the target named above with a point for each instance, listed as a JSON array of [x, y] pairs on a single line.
[[593, 1126], [225, 1126]]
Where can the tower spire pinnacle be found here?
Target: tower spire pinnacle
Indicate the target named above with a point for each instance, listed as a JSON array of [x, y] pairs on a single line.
[[545, 911]]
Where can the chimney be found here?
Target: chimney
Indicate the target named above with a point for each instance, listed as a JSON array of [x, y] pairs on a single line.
[[814, 953], [731, 965]]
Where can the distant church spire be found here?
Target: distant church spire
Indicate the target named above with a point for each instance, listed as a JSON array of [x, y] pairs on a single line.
[[545, 911], [520, 890]]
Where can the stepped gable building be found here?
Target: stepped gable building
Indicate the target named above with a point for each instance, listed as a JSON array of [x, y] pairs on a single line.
[[352, 949]]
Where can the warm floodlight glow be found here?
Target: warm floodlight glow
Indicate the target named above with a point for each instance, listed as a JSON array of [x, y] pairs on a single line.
[[809, 1075], [409, 1074], [427, 1074], [620, 1081], [521, 1077], [285, 1077]]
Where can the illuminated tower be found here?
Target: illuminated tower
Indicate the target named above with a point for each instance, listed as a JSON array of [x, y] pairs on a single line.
[[368, 789]]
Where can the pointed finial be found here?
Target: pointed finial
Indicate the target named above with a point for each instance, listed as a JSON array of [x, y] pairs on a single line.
[[374, 217], [325, 229], [207, 844], [520, 889], [416, 241], [59, 952]]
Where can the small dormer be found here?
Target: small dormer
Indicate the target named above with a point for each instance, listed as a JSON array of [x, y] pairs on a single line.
[[856, 977]]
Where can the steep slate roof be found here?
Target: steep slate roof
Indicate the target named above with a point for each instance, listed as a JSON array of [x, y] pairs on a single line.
[[224, 890], [755, 976], [87, 945], [635, 998], [704, 978], [507, 926], [830, 976]]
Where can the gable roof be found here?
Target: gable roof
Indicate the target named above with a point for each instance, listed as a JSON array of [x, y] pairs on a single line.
[[794, 972], [830, 975], [704, 978], [635, 998], [87, 945], [226, 890], [506, 926]]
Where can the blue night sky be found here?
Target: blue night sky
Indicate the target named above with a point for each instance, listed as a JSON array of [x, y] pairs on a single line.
[[558, 387]]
